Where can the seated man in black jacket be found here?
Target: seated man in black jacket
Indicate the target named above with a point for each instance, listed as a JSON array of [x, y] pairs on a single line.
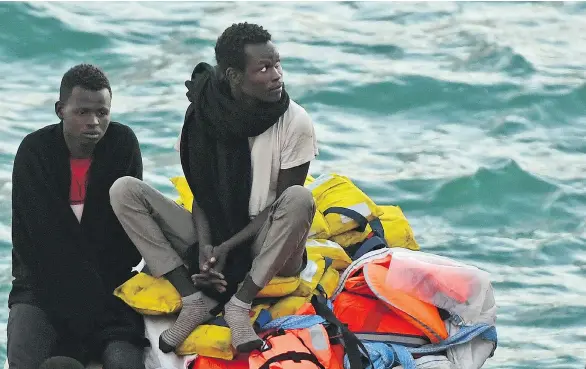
[[69, 250]]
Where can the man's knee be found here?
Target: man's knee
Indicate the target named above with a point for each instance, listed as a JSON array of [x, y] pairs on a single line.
[[298, 201], [123, 355], [124, 188], [61, 362], [31, 337]]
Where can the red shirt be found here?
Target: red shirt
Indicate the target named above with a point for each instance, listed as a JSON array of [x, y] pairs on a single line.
[[77, 189]]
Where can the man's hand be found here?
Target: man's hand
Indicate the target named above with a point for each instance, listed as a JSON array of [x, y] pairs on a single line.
[[211, 262], [218, 260], [207, 280], [205, 257]]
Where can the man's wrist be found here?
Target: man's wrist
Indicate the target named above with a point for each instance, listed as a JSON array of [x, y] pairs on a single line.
[[225, 246]]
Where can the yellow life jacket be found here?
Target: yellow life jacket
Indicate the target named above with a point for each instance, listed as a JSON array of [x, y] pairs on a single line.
[[327, 284], [397, 231], [157, 296], [333, 193], [311, 275], [214, 338], [185, 195], [329, 249], [319, 227]]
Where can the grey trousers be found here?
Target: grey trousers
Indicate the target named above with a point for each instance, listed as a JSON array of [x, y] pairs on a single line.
[[32, 339], [163, 231]]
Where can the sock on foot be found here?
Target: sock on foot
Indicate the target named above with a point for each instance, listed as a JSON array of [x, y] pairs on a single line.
[[195, 311], [236, 314]]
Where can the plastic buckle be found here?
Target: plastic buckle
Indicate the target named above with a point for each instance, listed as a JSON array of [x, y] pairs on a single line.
[[457, 320]]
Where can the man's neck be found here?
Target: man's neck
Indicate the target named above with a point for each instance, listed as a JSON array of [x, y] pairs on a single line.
[[242, 98], [78, 151]]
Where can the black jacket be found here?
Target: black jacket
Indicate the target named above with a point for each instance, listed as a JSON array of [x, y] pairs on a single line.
[[68, 268]]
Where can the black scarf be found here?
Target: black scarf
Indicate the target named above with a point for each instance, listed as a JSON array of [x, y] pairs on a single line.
[[215, 157], [70, 269]]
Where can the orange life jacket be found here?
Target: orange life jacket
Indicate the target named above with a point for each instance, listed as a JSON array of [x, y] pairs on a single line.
[[368, 279], [344, 342], [306, 348], [338, 354], [372, 320], [329, 351], [203, 362]]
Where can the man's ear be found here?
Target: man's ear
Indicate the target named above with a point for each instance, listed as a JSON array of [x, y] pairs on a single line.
[[234, 76], [59, 109]]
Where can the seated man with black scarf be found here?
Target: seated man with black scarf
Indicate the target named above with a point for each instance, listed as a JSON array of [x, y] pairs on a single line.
[[245, 151], [69, 249]]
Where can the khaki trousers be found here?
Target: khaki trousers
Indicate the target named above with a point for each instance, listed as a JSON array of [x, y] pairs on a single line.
[[163, 231]]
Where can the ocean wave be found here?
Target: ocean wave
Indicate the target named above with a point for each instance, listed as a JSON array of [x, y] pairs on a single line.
[[499, 195], [493, 184], [28, 33], [391, 94], [468, 48], [407, 92]]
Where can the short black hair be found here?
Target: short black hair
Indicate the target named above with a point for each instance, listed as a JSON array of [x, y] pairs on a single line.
[[230, 44], [86, 76]]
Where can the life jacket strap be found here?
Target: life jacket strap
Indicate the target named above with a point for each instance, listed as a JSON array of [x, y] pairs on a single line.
[[352, 345], [373, 243], [294, 356], [404, 340], [376, 239]]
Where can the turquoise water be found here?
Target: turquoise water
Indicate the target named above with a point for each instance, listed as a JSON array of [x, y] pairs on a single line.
[[470, 116]]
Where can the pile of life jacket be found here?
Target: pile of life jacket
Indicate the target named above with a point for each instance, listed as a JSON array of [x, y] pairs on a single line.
[[368, 298]]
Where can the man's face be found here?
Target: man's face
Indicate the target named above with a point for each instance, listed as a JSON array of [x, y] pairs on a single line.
[[263, 75], [85, 115]]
